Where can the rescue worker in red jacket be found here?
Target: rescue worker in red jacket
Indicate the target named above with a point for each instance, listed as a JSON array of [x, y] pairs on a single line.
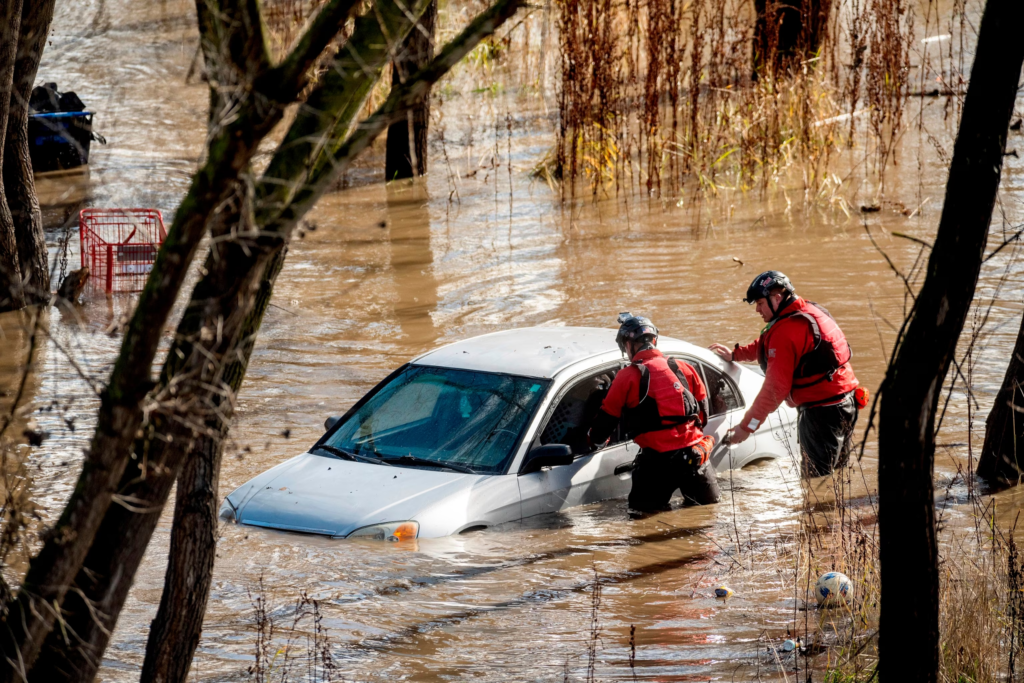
[[663, 406], [806, 361]]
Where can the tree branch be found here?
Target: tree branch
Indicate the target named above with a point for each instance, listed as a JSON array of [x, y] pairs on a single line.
[[326, 116], [401, 98], [292, 72], [120, 414], [222, 298]]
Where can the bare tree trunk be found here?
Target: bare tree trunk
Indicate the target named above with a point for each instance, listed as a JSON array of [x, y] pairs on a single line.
[[1002, 456], [909, 628], [72, 653], [407, 139], [174, 633], [11, 296], [19, 182]]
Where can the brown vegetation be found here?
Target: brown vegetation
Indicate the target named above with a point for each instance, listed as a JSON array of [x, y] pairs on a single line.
[[661, 95]]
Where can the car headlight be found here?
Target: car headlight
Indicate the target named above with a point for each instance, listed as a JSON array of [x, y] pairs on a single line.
[[390, 531], [227, 511]]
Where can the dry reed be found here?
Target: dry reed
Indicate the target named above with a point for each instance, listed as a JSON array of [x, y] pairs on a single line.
[[659, 95], [300, 649]]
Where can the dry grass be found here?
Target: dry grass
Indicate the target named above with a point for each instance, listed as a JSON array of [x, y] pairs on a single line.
[[981, 603], [297, 650]]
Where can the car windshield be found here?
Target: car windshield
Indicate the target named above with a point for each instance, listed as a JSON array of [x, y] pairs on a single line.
[[467, 420]]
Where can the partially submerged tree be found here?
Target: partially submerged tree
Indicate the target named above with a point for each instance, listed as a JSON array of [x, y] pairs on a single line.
[[909, 625], [96, 546], [1002, 456], [24, 274], [11, 296], [787, 32], [19, 182], [407, 137]]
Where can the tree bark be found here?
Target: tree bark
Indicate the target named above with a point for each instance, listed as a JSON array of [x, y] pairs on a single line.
[[1002, 456], [11, 295], [19, 181], [909, 628], [174, 633], [406, 154]]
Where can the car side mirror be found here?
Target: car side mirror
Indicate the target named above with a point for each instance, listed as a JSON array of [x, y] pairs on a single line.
[[552, 455], [330, 422]]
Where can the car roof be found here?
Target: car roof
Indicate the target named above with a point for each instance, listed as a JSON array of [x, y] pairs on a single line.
[[538, 351]]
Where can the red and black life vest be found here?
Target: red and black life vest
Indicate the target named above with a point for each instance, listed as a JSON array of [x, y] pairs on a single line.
[[646, 415], [830, 352]]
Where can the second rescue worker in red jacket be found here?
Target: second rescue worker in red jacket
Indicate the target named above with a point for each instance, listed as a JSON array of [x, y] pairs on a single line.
[[663, 406], [806, 359]]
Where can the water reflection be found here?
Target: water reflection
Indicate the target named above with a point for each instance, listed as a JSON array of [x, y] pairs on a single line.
[[61, 194], [412, 260]]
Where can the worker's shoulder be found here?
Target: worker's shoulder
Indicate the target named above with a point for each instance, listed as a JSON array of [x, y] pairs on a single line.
[[628, 373], [795, 322], [788, 333]]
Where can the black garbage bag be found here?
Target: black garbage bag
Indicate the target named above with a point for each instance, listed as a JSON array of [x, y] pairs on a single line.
[[69, 101], [44, 98]]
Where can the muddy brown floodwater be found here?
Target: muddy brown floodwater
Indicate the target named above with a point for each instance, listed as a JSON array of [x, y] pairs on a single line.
[[392, 272]]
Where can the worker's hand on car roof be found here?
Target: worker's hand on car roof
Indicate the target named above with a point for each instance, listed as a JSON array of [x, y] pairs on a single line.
[[723, 352]]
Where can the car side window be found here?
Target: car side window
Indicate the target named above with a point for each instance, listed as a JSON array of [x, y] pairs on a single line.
[[722, 393], [569, 421]]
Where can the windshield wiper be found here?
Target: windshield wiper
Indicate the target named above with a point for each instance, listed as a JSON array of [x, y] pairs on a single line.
[[413, 460], [348, 455]]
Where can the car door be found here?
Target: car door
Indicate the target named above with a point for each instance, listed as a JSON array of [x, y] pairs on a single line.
[[591, 477], [726, 408]]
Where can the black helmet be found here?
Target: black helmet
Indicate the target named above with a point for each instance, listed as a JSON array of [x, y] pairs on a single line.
[[764, 283], [634, 327]]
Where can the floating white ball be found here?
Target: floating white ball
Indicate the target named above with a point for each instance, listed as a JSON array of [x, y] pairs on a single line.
[[833, 588]]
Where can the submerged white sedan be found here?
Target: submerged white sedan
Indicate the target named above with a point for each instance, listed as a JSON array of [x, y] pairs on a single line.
[[482, 432]]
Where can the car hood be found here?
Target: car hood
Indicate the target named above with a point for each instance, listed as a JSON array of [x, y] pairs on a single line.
[[325, 495]]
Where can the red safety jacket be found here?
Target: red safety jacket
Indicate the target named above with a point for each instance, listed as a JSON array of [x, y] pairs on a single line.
[[669, 398], [805, 358]]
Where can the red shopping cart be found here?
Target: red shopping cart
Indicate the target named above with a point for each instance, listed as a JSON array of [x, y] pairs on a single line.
[[119, 246]]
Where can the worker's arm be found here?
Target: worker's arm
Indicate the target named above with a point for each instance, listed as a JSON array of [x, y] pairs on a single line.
[[608, 416], [739, 354], [699, 391], [746, 353], [783, 353]]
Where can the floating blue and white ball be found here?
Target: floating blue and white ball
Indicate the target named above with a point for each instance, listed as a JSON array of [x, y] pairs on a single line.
[[833, 589]]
